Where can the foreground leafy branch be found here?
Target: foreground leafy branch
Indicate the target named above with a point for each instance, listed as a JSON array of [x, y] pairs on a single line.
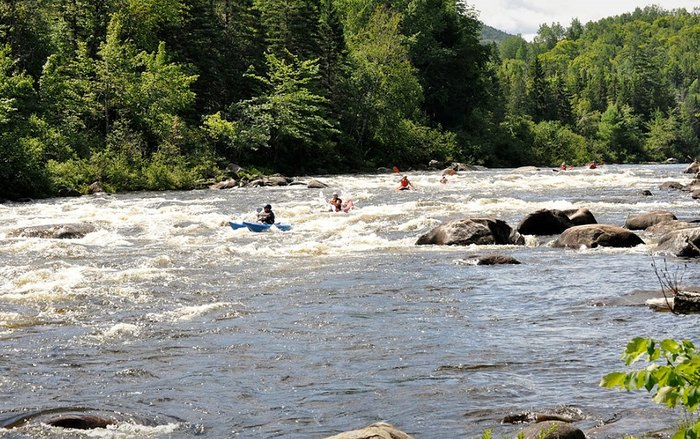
[[672, 376]]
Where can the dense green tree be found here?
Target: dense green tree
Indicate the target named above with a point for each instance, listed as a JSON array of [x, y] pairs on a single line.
[[538, 92], [288, 119], [548, 36], [512, 76], [620, 135], [25, 26], [445, 50], [22, 172], [291, 27], [383, 85], [514, 47]]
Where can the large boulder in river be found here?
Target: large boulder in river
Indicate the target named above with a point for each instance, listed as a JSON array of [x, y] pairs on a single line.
[[276, 180], [644, 220], [545, 222], [54, 231], [684, 243], [479, 231], [597, 235], [580, 216], [664, 227], [378, 430], [315, 184], [226, 184]]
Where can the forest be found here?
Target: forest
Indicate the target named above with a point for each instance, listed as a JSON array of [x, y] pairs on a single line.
[[167, 94]]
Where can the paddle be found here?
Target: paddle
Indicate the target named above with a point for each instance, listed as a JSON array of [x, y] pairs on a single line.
[[396, 170]]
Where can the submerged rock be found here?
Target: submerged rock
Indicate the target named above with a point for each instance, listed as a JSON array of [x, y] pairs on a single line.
[[54, 231]]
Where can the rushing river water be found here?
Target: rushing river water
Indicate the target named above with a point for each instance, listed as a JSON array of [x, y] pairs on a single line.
[[182, 326]]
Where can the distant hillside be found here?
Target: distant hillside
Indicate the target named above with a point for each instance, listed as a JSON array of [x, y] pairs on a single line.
[[490, 34]]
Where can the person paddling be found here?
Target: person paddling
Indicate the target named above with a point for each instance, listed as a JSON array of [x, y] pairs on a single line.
[[404, 184], [336, 202], [266, 216]]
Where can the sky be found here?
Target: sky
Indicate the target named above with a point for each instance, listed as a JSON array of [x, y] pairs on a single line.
[[525, 16]]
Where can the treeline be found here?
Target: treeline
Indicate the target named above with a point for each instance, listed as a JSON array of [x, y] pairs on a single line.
[[164, 94], [623, 89]]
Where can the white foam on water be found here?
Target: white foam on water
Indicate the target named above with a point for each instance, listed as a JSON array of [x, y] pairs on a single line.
[[11, 319], [42, 285], [121, 430], [187, 313], [119, 331]]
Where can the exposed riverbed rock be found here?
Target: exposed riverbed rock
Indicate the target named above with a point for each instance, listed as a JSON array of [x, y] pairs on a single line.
[[597, 235], [665, 227], [580, 216], [645, 220], [276, 180], [686, 302], [552, 430], [668, 185], [495, 259], [54, 231], [545, 222], [479, 231], [315, 184], [692, 168], [95, 188], [684, 243], [226, 184], [379, 430]]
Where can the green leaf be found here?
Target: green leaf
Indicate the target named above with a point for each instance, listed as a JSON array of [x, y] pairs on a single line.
[[692, 398], [637, 348], [670, 345], [614, 379], [667, 395]]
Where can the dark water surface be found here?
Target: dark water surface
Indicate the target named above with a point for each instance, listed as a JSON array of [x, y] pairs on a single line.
[[182, 326]]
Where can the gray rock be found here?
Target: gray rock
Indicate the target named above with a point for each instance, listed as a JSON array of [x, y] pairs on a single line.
[[552, 430], [95, 188], [53, 231], [315, 184], [544, 222], [378, 430], [276, 180], [645, 220], [581, 216], [667, 185], [597, 235], [684, 243], [692, 168], [226, 184], [496, 259], [479, 231]]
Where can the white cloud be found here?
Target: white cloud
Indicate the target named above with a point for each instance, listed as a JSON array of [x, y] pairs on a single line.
[[525, 16]]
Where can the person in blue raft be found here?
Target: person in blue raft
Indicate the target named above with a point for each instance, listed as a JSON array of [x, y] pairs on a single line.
[[267, 216]]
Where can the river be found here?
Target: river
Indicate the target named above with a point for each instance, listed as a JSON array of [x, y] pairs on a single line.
[[182, 326]]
